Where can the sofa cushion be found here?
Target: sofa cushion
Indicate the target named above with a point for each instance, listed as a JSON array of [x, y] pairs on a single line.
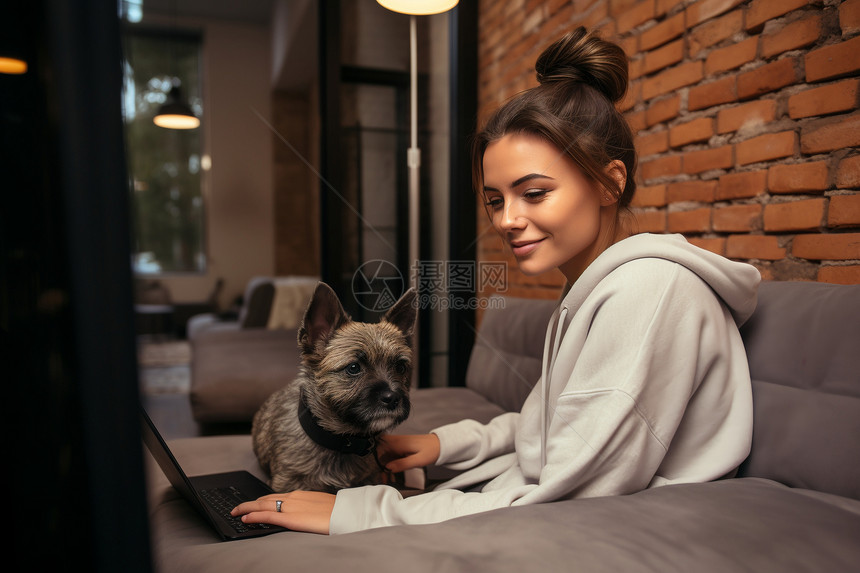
[[232, 373], [729, 525], [505, 362], [803, 346]]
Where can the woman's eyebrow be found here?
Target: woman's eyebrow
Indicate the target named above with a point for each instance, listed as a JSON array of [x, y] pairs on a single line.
[[529, 177], [522, 180]]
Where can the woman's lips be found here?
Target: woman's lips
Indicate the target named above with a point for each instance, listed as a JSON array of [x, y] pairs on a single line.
[[523, 248]]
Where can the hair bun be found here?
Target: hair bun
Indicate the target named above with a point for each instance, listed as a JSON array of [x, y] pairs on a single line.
[[582, 56]]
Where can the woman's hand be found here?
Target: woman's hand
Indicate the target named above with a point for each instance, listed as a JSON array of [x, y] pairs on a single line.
[[400, 453], [308, 511]]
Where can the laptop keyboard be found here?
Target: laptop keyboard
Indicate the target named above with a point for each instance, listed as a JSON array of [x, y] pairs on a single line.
[[223, 500]]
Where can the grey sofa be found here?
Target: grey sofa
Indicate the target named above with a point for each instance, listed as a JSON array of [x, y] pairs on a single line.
[[795, 505], [236, 365]]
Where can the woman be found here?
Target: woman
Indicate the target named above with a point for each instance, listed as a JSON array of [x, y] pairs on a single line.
[[645, 380]]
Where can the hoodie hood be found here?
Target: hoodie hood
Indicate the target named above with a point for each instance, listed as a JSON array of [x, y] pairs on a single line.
[[735, 283]]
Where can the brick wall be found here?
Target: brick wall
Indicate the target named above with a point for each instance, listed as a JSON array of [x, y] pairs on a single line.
[[746, 121]]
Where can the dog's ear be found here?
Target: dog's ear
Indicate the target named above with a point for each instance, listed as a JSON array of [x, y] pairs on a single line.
[[404, 312], [323, 317]]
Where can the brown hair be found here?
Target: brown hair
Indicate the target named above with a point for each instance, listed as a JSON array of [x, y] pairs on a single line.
[[581, 78]]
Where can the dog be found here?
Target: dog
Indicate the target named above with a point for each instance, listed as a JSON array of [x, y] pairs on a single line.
[[320, 432]]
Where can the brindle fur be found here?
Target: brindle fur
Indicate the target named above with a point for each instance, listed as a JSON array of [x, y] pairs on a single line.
[[342, 401]]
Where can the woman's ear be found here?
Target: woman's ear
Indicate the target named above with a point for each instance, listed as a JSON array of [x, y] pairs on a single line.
[[618, 173]]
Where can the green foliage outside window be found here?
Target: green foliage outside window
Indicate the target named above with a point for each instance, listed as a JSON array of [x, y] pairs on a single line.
[[165, 165]]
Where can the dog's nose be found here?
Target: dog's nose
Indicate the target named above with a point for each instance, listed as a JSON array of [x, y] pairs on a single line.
[[389, 399]]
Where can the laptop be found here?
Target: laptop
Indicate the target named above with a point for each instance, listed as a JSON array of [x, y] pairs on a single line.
[[212, 495]]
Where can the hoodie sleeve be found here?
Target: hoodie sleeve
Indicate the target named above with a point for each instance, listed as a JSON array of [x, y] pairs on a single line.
[[467, 443], [628, 365]]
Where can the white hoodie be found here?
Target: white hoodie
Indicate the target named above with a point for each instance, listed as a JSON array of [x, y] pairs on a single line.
[[645, 383]]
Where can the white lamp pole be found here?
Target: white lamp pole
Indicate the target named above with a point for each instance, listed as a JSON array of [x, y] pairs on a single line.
[[413, 155]]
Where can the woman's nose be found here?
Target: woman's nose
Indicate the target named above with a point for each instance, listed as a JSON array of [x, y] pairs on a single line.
[[511, 217]]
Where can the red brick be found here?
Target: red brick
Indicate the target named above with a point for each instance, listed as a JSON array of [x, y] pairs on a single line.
[[596, 14], [635, 67], [731, 57], [664, 57], [707, 159], [661, 167], [747, 116], [833, 61], [832, 98], [797, 34], [767, 78], [652, 143], [635, 15], [715, 245], [754, 247], [651, 221], [766, 147], [760, 11], [697, 130], [695, 190], [848, 173], [844, 211], [832, 246], [849, 17], [670, 80], [714, 32], [649, 196], [829, 134], [630, 45], [796, 178], [841, 274], [665, 6], [802, 215], [695, 221], [636, 120], [741, 185], [632, 97], [666, 31], [662, 110], [737, 218], [707, 9], [619, 7], [714, 93]]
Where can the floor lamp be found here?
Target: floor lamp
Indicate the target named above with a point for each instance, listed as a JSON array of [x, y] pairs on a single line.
[[413, 155]]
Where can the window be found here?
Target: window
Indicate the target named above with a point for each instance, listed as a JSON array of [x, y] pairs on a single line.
[[165, 165]]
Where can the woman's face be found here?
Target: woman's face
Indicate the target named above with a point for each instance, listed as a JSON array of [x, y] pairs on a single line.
[[543, 206]]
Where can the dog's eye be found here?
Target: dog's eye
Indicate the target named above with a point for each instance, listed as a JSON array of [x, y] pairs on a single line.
[[401, 366], [354, 369]]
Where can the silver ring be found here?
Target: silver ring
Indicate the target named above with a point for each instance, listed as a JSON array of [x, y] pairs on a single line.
[[278, 504]]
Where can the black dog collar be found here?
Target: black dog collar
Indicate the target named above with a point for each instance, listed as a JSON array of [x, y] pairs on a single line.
[[343, 443]]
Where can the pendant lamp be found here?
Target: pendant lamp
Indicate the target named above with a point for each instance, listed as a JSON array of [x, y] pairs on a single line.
[[175, 113], [12, 65]]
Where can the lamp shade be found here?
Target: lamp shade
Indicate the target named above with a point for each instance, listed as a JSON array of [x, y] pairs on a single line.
[[175, 113], [418, 7]]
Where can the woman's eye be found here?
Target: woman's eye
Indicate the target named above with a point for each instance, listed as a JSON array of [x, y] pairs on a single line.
[[494, 203], [535, 194], [354, 369]]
